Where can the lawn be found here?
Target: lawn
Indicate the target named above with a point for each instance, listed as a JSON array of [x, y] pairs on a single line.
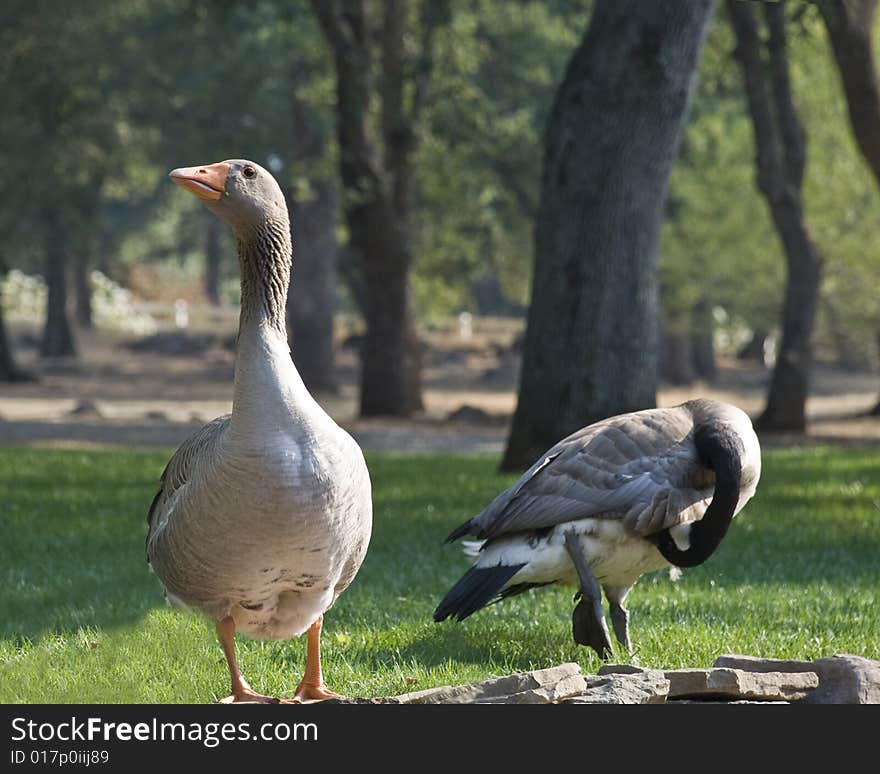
[[82, 619]]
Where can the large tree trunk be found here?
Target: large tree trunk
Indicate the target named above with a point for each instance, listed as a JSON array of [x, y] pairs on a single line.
[[377, 195], [850, 28], [311, 300], [780, 155], [591, 337], [58, 338]]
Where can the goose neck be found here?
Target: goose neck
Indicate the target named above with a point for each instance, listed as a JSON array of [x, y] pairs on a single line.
[[264, 254]]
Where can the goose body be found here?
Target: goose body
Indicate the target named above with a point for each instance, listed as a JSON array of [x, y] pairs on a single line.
[[264, 515], [620, 498]]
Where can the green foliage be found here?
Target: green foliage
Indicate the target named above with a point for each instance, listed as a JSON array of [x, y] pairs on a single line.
[[719, 241], [84, 621], [101, 100], [480, 164]]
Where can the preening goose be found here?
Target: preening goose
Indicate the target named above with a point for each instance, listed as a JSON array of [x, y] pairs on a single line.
[[264, 515], [622, 497]]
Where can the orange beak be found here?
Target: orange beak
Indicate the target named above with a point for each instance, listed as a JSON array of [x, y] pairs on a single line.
[[205, 182]]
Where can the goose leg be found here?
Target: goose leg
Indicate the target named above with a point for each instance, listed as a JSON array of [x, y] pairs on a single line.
[[588, 619], [312, 687], [241, 691], [620, 624]]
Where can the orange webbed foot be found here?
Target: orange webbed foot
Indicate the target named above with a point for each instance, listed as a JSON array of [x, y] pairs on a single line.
[[311, 692]]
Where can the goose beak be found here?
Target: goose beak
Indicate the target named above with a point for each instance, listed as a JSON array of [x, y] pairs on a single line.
[[208, 182]]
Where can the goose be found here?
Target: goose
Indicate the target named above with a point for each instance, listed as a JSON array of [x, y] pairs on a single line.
[[264, 515], [625, 496]]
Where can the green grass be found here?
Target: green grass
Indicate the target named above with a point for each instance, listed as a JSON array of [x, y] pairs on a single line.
[[82, 619]]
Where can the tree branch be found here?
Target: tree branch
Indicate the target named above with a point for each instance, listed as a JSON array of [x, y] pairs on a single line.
[[849, 26], [768, 151], [791, 132], [330, 19], [432, 14]]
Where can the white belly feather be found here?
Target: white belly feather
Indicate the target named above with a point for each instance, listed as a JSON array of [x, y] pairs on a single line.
[[616, 557], [276, 547]]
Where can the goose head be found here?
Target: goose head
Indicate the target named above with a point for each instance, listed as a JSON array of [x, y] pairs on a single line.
[[239, 192]]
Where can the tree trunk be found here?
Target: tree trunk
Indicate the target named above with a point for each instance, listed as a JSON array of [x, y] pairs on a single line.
[[754, 348], [311, 300], [676, 357], [212, 260], [377, 194], [780, 153], [703, 341], [58, 338], [9, 372], [82, 287], [590, 343], [850, 26]]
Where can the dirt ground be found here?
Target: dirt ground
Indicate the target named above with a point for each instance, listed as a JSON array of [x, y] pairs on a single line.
[[114, 395]]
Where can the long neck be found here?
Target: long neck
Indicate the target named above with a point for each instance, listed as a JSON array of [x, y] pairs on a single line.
[[269, 394], [264, 253], [721, 450]]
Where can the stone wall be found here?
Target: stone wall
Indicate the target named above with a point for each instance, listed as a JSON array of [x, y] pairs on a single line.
[[839, 679]]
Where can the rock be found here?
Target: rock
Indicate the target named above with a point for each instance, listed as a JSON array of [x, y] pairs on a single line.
[[738, 684], [538, 687], [843, 678], [755, 664], [846, 679], [643, 687], [554, 693], [621, 669]]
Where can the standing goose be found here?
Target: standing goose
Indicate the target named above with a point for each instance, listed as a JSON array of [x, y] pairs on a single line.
[[619, 498], [264, 515]]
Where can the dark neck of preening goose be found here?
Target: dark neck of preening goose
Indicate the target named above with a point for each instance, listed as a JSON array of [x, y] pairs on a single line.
[[265, 254], [721, 450]]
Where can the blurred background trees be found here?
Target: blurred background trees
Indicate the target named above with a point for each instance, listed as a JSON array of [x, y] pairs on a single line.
[[429, 118]]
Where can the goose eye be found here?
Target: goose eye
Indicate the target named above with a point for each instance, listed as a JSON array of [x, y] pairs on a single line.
[[249, 172]]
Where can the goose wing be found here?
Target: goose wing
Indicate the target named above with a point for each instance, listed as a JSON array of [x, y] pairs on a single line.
[[642, 468], [179, 470]]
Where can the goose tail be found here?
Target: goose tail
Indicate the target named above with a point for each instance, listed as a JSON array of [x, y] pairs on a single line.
[[474, 590]]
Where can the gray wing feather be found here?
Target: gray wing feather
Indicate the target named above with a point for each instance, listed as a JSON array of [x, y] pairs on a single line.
[[641, 468], [179, 468]]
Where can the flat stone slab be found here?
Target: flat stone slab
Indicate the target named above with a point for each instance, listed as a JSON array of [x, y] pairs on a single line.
[[648, 686], [843, 678], [739, 684], [756, 664], [621, 669], [541, 686]]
